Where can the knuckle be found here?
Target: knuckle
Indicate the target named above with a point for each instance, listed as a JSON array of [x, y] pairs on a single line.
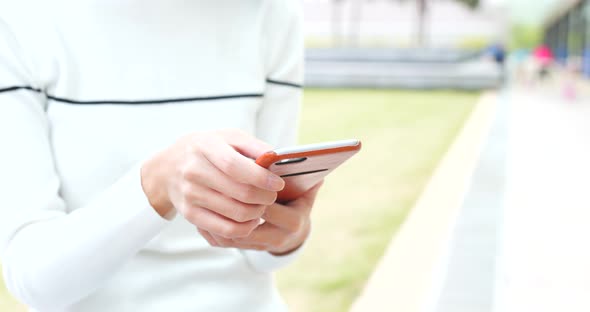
[[251, 226], [224, 243], [187, 192], [191, 215], [185, 187], [244, 229], [225, 230], [247, 194], [277, 242], [252, 213], [227, 164], [182, 208], [188, 172], [199, 143], [258, 211], [230, 230], [270, 198], [187, 198], [191, 150], [298, 223], [191, 144], [210, 241], [240, 213], [261, 178]]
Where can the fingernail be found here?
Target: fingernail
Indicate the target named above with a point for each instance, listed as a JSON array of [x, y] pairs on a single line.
[[275, 182]]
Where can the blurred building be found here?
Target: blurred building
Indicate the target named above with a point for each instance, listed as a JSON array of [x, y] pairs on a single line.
[[567, 32], [387, 23]]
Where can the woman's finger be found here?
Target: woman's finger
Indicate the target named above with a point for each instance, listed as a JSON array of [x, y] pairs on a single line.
[[306, 201], [208, 237], [241, 168], [210, 176], [214, 223], [284, 217], [232, 243], [266, 235], [228, 207], [245, 143]]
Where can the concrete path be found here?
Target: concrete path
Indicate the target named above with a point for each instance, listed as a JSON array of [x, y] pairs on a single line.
[[467, 277], [545, 258], [505, 226]]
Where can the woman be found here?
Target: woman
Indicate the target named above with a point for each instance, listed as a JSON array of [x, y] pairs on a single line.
[[126, 131]]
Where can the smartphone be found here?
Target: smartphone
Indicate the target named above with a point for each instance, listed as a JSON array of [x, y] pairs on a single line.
[[302, 167]]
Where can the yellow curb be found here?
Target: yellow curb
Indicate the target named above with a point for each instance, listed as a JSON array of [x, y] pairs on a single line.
[[404, 276]]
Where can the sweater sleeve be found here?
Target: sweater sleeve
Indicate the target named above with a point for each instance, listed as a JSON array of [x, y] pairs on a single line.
[[278, 118], [52, 258]]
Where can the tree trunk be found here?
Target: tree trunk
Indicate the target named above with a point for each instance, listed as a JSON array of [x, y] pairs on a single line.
[[421, 27], [336, 18], [355, 22]]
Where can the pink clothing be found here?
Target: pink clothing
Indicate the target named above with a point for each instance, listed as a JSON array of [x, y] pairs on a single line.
[[543, 55]]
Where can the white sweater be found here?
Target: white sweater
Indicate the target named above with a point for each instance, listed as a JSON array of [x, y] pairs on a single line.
[[89, 89]]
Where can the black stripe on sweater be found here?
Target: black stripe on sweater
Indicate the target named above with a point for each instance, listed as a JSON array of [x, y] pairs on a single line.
[[16, 88], [134, 102], [284, 83], [157, 101]]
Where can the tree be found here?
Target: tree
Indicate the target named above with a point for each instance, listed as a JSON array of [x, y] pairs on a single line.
[[336, 22], [470, 3], [422, 7]]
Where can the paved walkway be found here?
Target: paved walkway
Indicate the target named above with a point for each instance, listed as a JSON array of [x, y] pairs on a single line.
[[545, 258], [467, 278], [518, 237]]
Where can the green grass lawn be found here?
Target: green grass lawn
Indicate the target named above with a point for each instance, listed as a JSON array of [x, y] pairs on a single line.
[[404, 135], [362, 204]]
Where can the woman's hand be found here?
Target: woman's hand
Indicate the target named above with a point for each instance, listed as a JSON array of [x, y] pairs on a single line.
[[285, 230], [209, 178]]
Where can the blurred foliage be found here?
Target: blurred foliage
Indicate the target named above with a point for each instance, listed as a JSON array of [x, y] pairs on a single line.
[[470, 3], [524, 36], [474, 43], [423, 6]]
